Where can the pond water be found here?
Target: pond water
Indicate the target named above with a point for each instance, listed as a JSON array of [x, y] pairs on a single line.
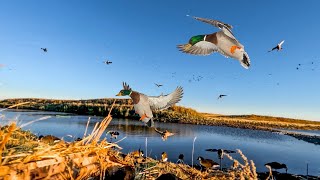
[[259, 146]]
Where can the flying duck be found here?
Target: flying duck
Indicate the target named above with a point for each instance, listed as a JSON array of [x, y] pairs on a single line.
[[165, 134], [158, 85], [221, 96], [44, 49], [144, 104], [278, 47], [222, 41], [107, 62]]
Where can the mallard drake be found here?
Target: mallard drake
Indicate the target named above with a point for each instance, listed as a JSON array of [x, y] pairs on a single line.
[[144, 104], [222, 41], [278, 47], [276, 165], [207, 163]]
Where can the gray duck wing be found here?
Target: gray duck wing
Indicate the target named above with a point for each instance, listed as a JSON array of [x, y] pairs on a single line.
[[226, 28], [165, 101]]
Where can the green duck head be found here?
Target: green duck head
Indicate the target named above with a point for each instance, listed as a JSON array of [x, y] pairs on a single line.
[[124, 92], [195, 39]]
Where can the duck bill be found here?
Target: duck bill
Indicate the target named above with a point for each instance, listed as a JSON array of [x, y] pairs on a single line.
[[119, 94]]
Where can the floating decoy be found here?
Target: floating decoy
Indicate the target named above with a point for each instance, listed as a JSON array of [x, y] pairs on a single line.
[[207, 163], [180, 159], [164, 157], [138, 153], [220, 153], [277, 165], [44, 49], [78, 139], [223, 42], [144, 104], [48, 139], [114, 134], [278, 47], [221, 96]]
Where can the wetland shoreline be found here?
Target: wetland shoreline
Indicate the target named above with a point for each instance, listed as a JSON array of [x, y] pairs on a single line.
[[123, 109]]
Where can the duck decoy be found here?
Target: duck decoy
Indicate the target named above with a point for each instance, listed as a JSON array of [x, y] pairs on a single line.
[[180, 159], [221, 153], [164, 157], [277, 165], [207, 163], [48, 139]]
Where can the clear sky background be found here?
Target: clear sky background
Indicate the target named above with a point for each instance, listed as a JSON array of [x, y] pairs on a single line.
[[140, 38]]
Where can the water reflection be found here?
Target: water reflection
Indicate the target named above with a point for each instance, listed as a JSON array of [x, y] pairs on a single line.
[[260, 146]]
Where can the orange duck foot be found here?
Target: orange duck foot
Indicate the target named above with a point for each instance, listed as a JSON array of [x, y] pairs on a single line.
[[142, 117]]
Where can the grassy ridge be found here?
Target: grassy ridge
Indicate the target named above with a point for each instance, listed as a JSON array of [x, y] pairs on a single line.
[[124, 109]]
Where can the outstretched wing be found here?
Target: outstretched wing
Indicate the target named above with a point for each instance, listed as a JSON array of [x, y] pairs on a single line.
[[165, 101], [200, 48], [273, 49], [229, 151], [226, 28], [280, 44], [212, 150]]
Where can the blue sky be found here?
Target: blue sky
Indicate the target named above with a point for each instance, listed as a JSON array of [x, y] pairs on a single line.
[[140, 38]]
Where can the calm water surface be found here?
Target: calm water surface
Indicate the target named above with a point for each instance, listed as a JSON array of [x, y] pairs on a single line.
[[259, 146]]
